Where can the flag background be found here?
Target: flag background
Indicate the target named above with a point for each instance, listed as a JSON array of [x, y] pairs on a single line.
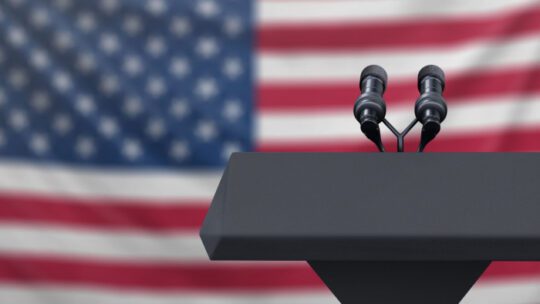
[[117, 116]]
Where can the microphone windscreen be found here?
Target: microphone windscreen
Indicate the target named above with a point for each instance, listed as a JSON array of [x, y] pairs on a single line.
[[375, 71], [433, 71]]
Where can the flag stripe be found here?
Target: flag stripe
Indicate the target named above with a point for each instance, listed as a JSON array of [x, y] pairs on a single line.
[[126, 245], [131, 186], [475, 84], [319, 66], [192, 276], [270, 12], [16, 268], [498, 293], [336, 125], [500, 140], [58, 293], [361, 35], [101, 213]]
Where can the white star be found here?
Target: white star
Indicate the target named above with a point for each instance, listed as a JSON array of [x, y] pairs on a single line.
[[39, 18], [40, 101], [131, 149], [206, 88], [18, 120], [207, 47], [109, 6], [109, 43], [3, 99], [16, 36], [86, 22], [62, 124], [85, 104], [179, 150], [179, 108], [206, 130], [17, 3], [2, 138], [230, 148], [133, 65], [233, 26], [108, 127], [62, 81], [232, 67], [63, 41], [109, 84], [233, 110], [86, 62], [39, 143], [63, 4], [156, 46], [17, 78], [207, 8], [180, 26], [156, 7], [85, 147], [39, 59], [179, 67], [156, 86], [155, 128], [132, 106], [132, 25]]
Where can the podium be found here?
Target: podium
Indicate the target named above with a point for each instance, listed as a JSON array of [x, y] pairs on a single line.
[[380, 227]]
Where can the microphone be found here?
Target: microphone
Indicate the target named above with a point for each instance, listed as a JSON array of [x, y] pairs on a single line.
[[370, 108], [430, 107]]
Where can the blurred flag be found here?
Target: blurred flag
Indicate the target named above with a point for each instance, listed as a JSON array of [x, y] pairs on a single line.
[[117, 116]]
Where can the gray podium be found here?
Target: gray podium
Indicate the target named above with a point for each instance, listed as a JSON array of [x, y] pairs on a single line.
[[380, 227]]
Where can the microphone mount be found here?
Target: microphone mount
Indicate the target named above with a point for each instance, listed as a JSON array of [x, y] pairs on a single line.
[[400, 136], [430, 107]]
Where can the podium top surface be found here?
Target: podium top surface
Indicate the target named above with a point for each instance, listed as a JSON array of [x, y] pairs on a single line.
[[376, 206]]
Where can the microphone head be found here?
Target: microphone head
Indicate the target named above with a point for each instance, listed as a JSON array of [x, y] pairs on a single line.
[[374, 71], [433, 71]]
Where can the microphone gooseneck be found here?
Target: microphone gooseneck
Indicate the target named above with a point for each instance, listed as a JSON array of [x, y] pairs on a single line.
[[370, 108], [430, 107]]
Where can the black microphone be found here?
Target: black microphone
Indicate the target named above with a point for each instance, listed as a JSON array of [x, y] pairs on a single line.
[[430, 107], [370, 108]]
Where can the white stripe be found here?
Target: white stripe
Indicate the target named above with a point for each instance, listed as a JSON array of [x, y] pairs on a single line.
[[110, 245], [272, 12], [526, 291], [324, 67], [169, 186], [63, 295], [465, 116], [515, 292]]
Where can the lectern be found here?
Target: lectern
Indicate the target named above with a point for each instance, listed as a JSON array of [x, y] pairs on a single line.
[[380, 227]]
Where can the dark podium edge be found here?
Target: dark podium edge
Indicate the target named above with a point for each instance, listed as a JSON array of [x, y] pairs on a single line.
[[373, 282]]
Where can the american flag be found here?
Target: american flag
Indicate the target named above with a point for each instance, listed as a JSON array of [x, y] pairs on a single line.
[[117, 117]]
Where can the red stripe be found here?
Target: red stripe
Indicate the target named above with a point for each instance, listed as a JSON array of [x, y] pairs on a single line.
[[388, 34], [471, 85], [505, 270], [208, 276], [511, 140], [215, 276], [100, 213]]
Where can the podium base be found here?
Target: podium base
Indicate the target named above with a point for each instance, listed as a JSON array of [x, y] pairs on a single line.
[[354, 282]]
